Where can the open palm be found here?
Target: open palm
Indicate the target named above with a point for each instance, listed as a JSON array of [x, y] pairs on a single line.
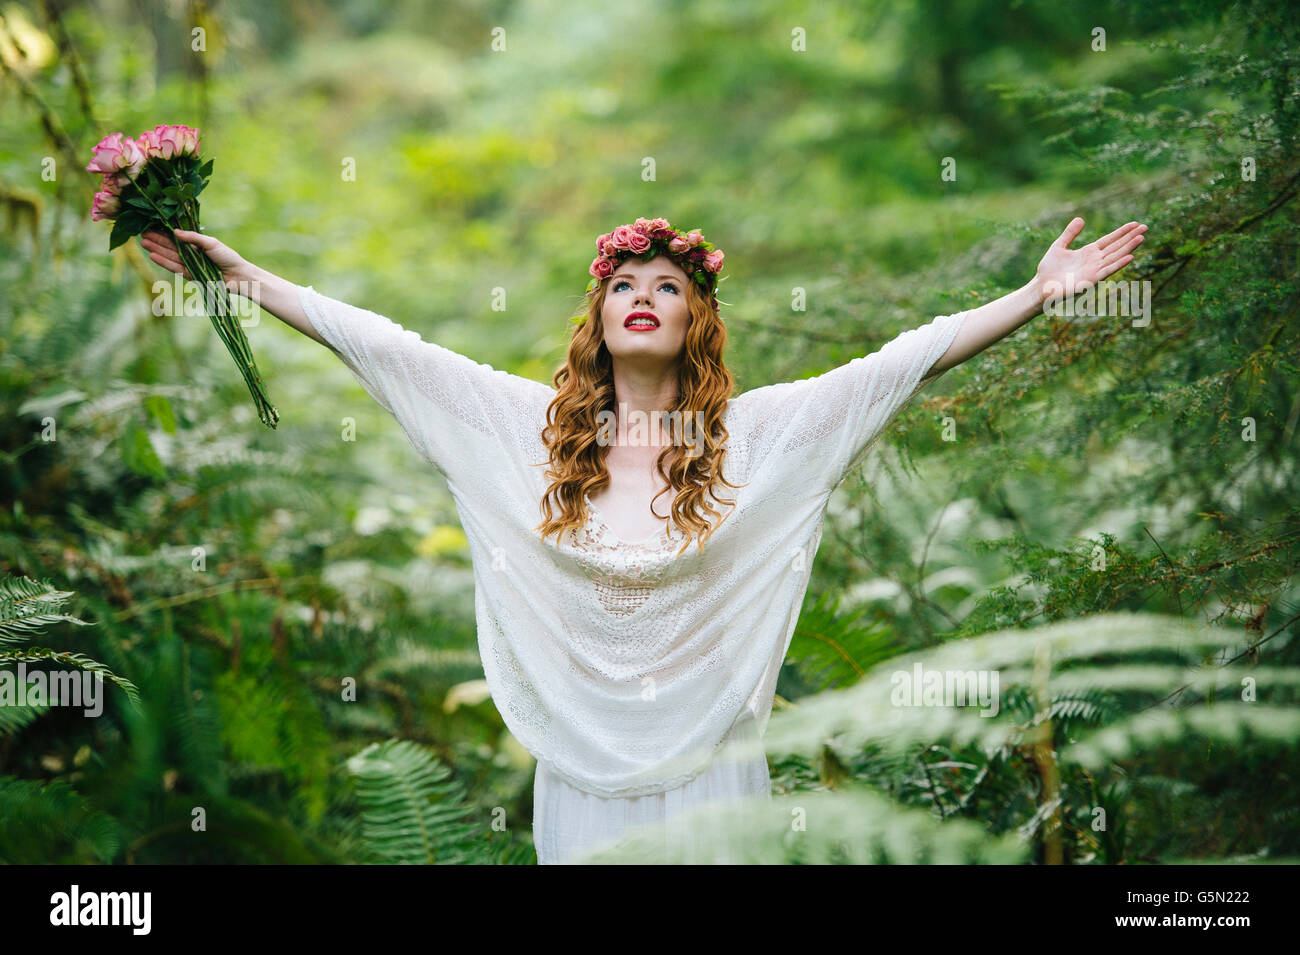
[[1081, 268]]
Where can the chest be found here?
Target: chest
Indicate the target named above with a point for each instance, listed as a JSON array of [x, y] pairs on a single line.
[[625, 504]]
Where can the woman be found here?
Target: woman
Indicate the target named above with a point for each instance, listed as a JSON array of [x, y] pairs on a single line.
[[638, 671]]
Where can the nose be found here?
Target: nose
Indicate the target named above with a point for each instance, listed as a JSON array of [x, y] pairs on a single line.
[[642, 298]]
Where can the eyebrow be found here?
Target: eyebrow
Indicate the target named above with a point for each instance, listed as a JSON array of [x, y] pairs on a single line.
[[629, 275]]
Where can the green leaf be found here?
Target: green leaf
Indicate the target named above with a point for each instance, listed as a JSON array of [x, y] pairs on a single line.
[[160, 409], [134, 219], [138, 453], [122, 231], [206, 169]]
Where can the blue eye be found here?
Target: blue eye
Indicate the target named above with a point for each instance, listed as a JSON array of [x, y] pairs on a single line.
[[622, 282]]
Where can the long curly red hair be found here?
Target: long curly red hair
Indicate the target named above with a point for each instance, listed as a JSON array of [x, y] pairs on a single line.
[[585, 386]]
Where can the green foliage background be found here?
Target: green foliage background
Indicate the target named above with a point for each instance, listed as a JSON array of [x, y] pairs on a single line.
[[1076, 470]]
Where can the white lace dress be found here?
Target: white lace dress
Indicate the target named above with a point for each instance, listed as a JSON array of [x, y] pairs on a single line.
[[626, 668], [567, 821]]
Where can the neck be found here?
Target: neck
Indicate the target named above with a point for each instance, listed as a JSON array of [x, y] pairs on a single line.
[[640, 393]]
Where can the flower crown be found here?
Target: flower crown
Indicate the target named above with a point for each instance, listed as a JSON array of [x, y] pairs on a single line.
[[648, 238]]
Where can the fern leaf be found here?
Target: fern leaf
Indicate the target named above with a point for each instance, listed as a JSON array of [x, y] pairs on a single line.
[[411, 813], [855, 826], [27, 606]]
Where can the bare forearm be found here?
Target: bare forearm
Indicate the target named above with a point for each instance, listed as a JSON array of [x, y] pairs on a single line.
[[991, 323], [277, 296]]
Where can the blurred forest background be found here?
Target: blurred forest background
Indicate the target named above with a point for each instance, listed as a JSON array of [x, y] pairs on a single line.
[[1066, 483]]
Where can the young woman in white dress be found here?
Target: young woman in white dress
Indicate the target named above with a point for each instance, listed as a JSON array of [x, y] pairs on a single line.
[[640, 673]]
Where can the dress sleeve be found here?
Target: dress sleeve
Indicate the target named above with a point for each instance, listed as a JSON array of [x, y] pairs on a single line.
[[816, 430], [464, 417]]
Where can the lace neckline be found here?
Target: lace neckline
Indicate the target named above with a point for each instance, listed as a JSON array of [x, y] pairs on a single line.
[[657, 539]]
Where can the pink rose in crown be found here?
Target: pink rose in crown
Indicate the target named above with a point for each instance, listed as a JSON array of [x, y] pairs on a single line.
[[679, 245], [713, 261], [600, 244], [620, 238], [115, 152], [602, 268], [638, 242], [695, 237]]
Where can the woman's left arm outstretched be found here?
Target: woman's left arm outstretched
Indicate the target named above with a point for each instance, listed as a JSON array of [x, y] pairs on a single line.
[[1062, 271], [815, 430]]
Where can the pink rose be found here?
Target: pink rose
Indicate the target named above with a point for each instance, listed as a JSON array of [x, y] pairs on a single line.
[[659, 225], [115, 152], [600, 244], [695, 237], [112, 184], [168, 141], [189, 140], [713, 261], [638, 242], [106, 205], [152, 143], [621, 237], [679, 245], [602, 267]]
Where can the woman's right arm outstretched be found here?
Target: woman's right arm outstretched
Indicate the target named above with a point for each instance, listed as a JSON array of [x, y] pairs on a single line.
[[468, 419], [272, 293]]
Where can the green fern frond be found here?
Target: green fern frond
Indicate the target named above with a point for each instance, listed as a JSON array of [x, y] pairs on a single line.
[[865, 712], [1227, 722], [835, 649], [14, 718], [36, 654], [852, 826], [411, 814], [44, 823], [27, 606]]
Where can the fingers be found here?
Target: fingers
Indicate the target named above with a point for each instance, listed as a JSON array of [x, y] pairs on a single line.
[[1070, 234], [1114, 267], [1124, 246], [195, 238], [155, 247], [1122, 235], [163, 253], [1106, 240], [171, 264], [156, 240]]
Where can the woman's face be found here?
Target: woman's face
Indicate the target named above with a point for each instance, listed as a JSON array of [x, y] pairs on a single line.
[[653, 296]]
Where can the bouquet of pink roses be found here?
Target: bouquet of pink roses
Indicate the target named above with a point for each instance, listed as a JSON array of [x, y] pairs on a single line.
[[152, 182]]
